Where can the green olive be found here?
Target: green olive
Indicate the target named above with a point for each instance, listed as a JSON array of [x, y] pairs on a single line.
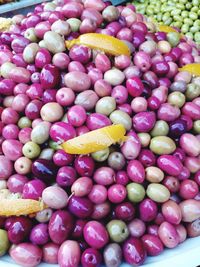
[[158, 192], [4, 242], [31, 150], [173, 38], [145, 139], [185, 28], [74, 24], [24, 122], [54, 145], [136, 192], [101, 155], [176, 99], [30, 35], [162, 145], [193, 91], [117, 230], [197, 37], [40, 132], [193, 16], [161, 128], [196, 126], [116, 161], [47, 153], [106, 105], [121, 117], [154, 174]]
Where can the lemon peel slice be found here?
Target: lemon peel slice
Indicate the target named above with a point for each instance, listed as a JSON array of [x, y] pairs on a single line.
[[103, 42]]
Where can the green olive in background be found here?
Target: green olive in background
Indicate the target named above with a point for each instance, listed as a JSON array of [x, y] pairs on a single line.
[[116, 160], [162, 145], [196, 126], [173, 38], [101, 155], [161, 128], [4, 242], [176, 99], [24, 122], [74, 24], [117, 230], [136, 192], [193, 91], [31, 150]]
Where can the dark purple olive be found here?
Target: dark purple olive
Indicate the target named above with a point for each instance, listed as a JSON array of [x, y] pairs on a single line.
[[134, 251], [32, 110], [147, 158], [177, 128], [91, 258], [50, 76], [81, 207], [39, 234], [148, 210], [44, 170], [60, 226], [66, 176], [19, 229], [161, 68], [84, 165], [125, 211], [78, 229], [49, 95], [152, 244]]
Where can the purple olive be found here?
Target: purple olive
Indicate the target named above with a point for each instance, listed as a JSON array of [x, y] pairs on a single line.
[[81, 207], [60, 226]]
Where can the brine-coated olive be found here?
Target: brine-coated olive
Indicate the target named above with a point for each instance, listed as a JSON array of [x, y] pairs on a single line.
[[118, 230]]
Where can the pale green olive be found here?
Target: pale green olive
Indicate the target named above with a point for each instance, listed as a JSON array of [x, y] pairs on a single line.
[[31, 150], [145, 139], [106, 105], [158, 192], [161, 128], [121, 117], [162, 145], [4, 242], [117, 230], [101, 155], [154, 174], [196, 126], [176, 99], [24, 122], [136, 192], [193, 91]]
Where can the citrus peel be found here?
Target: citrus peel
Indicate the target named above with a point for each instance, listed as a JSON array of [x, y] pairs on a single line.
[[5, 24], [193, 68], [95, 140], [18, 207], [103, 42]]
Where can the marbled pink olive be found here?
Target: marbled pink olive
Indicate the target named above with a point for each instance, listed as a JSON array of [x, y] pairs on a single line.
[[6, 167], [168, 235], [12, 149], [82, 186], [26, 254], [50, 253], [104, 176], [190, 144], [55, 197], [77, 81], [69, 254], [172, 212], [190, 210], [95, 234]]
